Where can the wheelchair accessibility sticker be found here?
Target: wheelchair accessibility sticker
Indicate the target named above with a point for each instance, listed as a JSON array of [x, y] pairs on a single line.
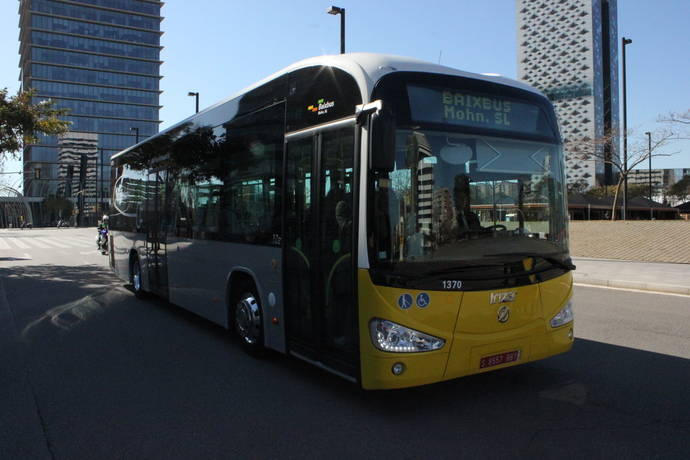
[[405, 301], [423, 300]]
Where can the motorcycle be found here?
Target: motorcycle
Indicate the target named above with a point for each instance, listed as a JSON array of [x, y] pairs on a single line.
[[102, 240]]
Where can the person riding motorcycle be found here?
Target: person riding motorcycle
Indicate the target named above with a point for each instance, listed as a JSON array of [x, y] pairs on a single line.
[[102, 239]]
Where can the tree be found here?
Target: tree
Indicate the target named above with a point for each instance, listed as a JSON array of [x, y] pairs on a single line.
[[679, 123], [639, 152], [681, 189], [634, 191], [21, 120]]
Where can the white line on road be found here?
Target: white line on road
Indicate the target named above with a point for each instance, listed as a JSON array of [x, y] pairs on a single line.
[[631, 290], [33, 242], [52, 242], [78, 242], [4, 245], [19, 243]]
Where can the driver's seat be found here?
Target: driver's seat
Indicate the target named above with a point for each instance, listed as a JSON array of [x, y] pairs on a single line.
[[469, 221]]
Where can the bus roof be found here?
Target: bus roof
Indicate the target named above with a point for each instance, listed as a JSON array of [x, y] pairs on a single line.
[[365, 68]]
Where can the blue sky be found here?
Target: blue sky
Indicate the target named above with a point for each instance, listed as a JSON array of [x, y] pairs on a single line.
[[217, 47]]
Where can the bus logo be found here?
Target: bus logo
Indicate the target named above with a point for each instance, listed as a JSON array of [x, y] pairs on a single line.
[[405, 301], [321, 107], [500, 297], [503, 314]]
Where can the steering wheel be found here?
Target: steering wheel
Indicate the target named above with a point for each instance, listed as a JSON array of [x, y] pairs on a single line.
[[500, 227]]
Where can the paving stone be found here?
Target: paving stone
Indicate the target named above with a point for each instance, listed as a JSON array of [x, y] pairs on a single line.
[[647, 241]]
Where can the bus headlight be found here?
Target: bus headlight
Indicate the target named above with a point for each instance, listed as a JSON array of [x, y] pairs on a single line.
[[392, 337], [564, 316]]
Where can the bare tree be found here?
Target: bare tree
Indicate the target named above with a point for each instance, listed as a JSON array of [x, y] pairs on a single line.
[[639, 151], [679, 123]]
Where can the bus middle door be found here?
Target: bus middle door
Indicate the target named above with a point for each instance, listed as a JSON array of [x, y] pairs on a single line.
[[156, 247]]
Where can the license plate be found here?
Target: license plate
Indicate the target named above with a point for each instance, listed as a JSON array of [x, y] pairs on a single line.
[[497, 360]]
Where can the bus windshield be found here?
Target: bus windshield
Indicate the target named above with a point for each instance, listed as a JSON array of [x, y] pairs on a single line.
[[457, 199]]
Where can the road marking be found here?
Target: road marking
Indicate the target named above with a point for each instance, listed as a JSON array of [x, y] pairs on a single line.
[[79, 242], [53, 242], [631, 290], [4, 245], [19, 243], [32, 242]]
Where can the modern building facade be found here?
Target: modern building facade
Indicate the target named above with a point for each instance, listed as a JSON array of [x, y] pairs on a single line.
[[101, 60], [569, 50], [662, 181]]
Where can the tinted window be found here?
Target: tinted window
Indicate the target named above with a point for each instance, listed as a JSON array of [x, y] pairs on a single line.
[[47, 88], [94, 45], [227, 179], [319, 95], [130, 196], [97, 77], [83, 12], [94, 30], [94, 61]]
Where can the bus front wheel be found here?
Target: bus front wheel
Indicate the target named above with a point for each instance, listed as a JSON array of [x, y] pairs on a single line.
[[248, 322]]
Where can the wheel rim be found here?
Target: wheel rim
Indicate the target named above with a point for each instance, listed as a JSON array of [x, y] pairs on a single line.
[[136, 277], [248, 319]]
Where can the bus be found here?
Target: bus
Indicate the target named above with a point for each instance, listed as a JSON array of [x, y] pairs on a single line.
[[392, 221]]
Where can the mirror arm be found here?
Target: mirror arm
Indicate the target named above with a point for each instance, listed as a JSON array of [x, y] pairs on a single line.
[[362, 111]]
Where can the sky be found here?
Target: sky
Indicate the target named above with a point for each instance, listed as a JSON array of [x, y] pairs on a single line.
[[218, 47]]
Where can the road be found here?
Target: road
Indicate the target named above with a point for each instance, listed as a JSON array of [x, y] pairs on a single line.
[[89, 371]]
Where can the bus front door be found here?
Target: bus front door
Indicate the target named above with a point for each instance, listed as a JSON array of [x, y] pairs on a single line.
[[319, 270]]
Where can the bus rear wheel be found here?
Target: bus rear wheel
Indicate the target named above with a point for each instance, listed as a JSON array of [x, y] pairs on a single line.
[[248, 321], [135, 278]]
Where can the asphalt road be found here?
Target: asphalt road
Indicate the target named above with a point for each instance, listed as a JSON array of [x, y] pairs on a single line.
[[88, 371]]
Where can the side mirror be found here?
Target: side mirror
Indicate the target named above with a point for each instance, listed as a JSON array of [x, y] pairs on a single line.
[[383, 141]]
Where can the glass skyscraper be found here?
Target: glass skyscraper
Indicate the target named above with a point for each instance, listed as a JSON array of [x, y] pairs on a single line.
[[101, 60]]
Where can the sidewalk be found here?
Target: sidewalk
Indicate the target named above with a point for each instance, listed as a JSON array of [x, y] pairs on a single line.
[[646, 276]]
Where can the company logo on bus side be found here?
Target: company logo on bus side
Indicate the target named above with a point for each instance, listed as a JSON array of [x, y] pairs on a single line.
[[321, 106]]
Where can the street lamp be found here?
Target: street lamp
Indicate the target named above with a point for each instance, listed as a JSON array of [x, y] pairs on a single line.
[[136, 132], [651, 211], [625, 41], [196, 95], [99, 206], [334, 10]]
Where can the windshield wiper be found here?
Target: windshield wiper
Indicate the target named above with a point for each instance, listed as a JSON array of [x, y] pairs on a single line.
[[447, 270], [566, 264]]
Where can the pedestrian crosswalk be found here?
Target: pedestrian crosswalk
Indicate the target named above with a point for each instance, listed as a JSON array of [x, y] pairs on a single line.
[[9, 243]]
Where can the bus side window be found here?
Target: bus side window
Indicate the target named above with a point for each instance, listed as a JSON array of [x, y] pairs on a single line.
[[249, 206]]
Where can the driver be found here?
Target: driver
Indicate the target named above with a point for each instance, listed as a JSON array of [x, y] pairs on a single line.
[[467, 220]]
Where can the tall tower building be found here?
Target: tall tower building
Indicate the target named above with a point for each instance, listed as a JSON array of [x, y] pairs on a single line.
[[569, 50], [101, 60]]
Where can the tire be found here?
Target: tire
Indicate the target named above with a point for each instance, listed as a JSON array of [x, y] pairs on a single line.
[[247, 321], [135, 278]]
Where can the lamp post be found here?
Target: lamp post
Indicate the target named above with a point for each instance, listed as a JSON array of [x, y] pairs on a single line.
[[196, 95], [100, 188], [136, 132], [625, 41], [334, 10], [651, 211]]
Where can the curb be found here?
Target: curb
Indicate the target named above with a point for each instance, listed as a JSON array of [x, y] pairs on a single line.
[[642, 286]]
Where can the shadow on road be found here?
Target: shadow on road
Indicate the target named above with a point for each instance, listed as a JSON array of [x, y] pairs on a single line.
[[116, 376]]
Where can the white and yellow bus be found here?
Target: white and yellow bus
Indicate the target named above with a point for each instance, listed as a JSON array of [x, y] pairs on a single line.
[[392, 221]]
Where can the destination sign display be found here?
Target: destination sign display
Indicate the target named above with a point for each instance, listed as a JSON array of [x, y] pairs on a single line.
[[472, 109]]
